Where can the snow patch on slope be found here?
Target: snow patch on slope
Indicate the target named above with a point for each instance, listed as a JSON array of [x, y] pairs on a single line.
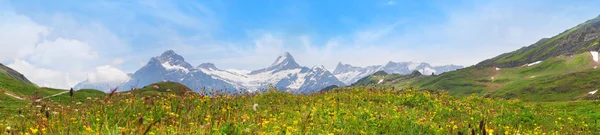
[[299, 82], [238, 71], [592, 92], [252, 82], [413, 65], [594, 55], [348, 77], [427, 71], [535, 63]]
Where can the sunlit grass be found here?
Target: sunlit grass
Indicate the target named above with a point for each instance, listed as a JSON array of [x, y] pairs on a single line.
[[354, 110]]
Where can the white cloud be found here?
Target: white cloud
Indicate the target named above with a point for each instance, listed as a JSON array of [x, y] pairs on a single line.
[[268, 46], [46, 77], [61, 53], [107, 75], [17, 32]]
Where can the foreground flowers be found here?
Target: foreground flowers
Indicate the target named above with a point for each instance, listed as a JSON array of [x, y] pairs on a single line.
[[343, 111]]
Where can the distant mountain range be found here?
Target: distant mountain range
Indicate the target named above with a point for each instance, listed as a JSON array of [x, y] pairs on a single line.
[[284, 74], [167, 67], [350, 74]]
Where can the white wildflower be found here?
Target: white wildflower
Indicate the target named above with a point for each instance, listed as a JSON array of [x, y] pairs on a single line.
[[8, 128], [255, 107]]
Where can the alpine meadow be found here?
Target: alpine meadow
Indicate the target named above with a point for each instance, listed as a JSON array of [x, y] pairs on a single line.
[[238, 67]]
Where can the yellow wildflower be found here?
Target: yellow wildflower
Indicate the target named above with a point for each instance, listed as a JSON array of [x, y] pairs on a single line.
[[33, 130], [89, 129]]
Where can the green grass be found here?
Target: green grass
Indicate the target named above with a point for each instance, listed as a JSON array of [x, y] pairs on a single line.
[[559, 78], [565, 43], [78, 96], [10, 105], [163, 87], [22, 89], [355, 110], [15, 86]]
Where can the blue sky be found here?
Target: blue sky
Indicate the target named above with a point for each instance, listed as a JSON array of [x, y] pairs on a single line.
[[77, 40]]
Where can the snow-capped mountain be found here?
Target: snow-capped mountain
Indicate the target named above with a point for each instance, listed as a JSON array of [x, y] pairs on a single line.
[[284, 74], [167, 67], [350, 74]]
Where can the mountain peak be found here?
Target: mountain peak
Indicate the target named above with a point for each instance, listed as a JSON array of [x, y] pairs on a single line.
[[170, 55], [171, 58], [319, 67], [169, 52], [210, 66], [285, 61], [287, 54], [286, 57], [341, 68]]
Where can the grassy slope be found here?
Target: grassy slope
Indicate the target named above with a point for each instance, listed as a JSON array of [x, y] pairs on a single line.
[[341, 111], [10, 105], [10, 73], [558, 78], [579, 39], [555, 79], [15, 83], [78, 96], [15, 86], [400, 81], [174, 87]]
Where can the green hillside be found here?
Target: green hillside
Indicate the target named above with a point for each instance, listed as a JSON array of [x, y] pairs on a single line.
[[10, 73], [78, 96], [15, 83], [163, 87], [381, 78], [581, 38], [555, 79], [566, 71]]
